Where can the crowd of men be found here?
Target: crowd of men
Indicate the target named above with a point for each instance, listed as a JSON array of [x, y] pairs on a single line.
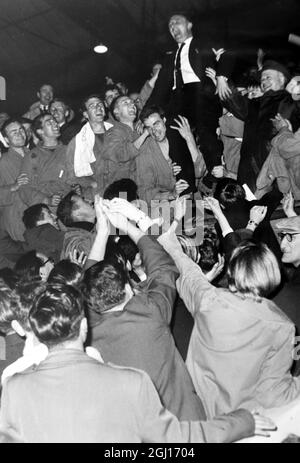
[[119, 324]]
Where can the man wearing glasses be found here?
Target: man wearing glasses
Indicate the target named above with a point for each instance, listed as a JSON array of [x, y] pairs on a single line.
[[288, 298]]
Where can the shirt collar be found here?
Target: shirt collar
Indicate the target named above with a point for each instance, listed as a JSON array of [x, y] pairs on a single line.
[[186, 42]]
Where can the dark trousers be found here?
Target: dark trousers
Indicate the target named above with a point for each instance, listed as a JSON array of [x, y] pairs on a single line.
[[203, 110]]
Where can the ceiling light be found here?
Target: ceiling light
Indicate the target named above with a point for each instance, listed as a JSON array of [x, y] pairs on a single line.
[[100, 48]]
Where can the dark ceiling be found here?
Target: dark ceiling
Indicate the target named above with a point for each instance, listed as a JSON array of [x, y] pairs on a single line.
[[51, 40]]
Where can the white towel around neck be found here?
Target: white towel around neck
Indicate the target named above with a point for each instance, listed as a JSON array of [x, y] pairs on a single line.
[[84, 153]]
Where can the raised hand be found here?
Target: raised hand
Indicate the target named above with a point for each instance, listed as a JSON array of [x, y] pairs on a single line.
[[216, 269], [258, 213], [279, 122], [126, 208], [183, 127], [103, 224], [77, 257], [211, 73], [218, 171], [213, 205], [176, 169], [223, 89], [288, 205]]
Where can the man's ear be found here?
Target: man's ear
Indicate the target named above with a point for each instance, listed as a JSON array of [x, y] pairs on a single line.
[[85, 115], [116, 112], [67, 113], [38, 95], [18, 328], [40, 132], [164, 120], [190, 26], [282, 79]]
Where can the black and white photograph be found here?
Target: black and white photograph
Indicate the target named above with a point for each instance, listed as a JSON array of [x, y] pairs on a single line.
[[149, 224]]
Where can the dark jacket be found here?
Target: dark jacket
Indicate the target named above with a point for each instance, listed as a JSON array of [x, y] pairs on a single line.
[[199, 58], [258, 129], [139, 336], [45, 238]]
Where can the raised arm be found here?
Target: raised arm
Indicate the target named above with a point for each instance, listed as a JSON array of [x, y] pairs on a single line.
[[159, 267], [97, 251], [158, 425]]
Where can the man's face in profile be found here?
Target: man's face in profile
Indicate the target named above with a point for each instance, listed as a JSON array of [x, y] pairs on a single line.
[[180, 28]]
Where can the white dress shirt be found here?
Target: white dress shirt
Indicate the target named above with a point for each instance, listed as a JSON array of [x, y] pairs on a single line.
[[188, 74]]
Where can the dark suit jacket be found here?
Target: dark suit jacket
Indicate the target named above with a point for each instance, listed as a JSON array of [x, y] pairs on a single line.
[[139, 336], [258, 129], [199, 58]]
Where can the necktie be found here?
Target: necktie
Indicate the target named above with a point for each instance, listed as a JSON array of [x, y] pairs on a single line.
[[178, 73]]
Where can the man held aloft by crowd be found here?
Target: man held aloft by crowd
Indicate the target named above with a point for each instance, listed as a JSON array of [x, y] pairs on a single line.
[[183, 88], [257, 114]]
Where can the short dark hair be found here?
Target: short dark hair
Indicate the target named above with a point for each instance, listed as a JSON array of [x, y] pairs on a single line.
[[56, 314], [188, 15], [9, 121], [28, 266], [128, 247], [121, 188], [87, 98], [104, 285], [114, 252], [114, 104], [110, 87], [208, 254], [65, 272], [16, 304], [22, 301], [25, 120], [9, 277], [229, 191], [58, 100], [37, 124], [66, 208], [149, 110], [33, 214], [46, 85]]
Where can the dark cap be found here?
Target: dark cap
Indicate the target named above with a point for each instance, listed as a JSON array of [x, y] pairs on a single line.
[[276, 66]]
